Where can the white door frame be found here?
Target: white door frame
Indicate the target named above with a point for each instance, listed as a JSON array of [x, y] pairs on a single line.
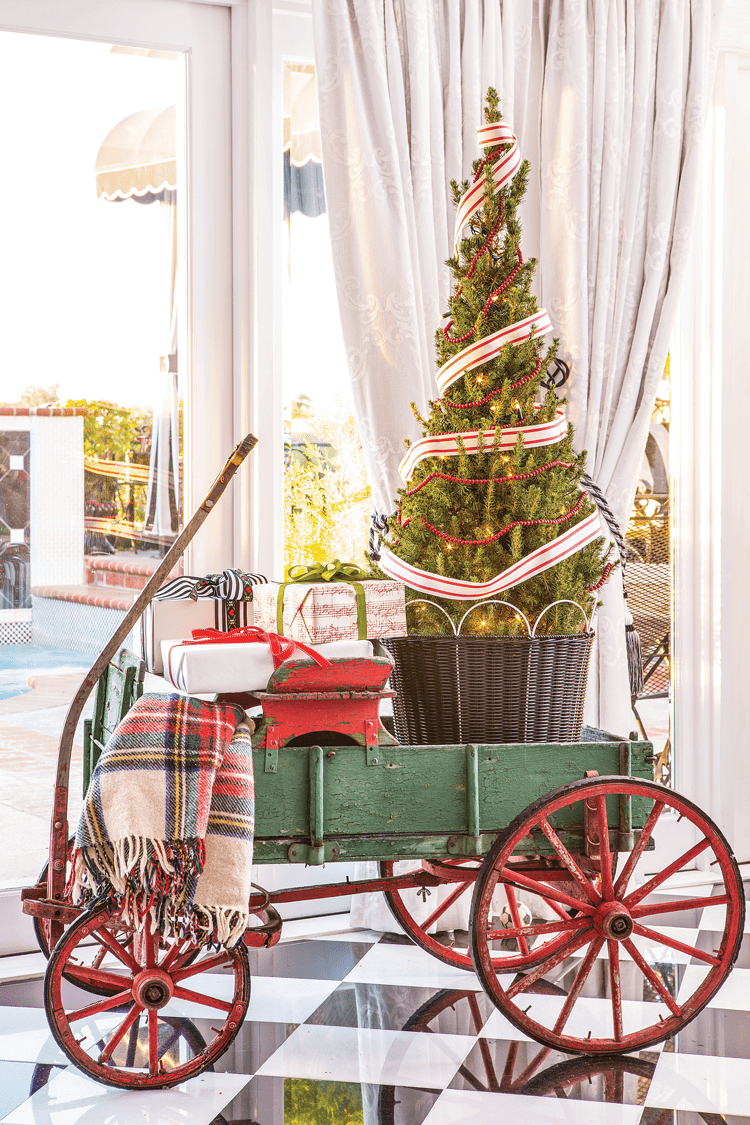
[[710, 420], [263, 34]]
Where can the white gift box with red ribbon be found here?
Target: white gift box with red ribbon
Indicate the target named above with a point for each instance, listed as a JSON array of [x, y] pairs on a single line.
[[177, 619], [202, 668], [319, 612]]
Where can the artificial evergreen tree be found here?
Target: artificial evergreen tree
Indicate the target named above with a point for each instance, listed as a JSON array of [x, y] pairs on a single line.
[[479, 499]]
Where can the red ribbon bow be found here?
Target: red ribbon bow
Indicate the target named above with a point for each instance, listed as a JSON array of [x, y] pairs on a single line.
[[282, 648]]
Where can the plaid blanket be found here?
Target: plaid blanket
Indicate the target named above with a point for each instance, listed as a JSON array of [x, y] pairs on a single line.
[[167, 823]]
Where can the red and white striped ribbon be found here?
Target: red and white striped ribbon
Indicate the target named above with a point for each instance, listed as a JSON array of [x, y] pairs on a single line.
[[457, 590], [446, 445], [503, 170], [484, 350]]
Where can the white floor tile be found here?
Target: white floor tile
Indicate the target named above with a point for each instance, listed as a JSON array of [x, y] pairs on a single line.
[[470, 1107], [733, 994], [700, 1083], [25, 1037], [272, 999], [72, 1097], [350, 1054], [409, 965]]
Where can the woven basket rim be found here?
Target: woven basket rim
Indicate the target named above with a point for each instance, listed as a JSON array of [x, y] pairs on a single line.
[[472, 637]]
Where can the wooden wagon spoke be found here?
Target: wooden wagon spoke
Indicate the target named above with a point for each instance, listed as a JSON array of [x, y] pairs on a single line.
[[653, 979], [104, 1005], [673, 943], [441, 908], [569, 861], [118, 1035], [680, 904], [176, 956], [102, 935], [509, 876], [201, 966], [201, 998], [535, 929], [613, 948], [687, 857], [153, 1042], [640, 845], [510, 898], [85, 973], [580, 979], [552, 962], [605, 856]]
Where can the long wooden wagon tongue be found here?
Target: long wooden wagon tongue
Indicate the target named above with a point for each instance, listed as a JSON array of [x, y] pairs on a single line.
[[59, 833]]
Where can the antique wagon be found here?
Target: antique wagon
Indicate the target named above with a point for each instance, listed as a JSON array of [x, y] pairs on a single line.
[[557, 890]]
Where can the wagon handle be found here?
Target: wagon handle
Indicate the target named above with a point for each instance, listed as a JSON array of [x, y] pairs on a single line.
[[59, 830]]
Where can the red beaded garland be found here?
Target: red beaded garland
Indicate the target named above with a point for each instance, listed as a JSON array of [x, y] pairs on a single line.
[[492, 394], [488, 480], [602, 580], [492, 538]]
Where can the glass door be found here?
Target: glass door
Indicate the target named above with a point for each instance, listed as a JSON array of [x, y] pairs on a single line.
[[116, 375]]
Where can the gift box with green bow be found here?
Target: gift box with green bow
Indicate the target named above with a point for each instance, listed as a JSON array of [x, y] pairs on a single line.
[[333, 601]]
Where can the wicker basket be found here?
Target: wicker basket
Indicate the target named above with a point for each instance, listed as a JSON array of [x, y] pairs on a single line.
[[465, 689]]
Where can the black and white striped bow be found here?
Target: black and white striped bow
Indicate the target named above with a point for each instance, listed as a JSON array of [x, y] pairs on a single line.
[[233, 585]]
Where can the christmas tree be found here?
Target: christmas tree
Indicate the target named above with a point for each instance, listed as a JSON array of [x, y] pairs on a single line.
[[492, 506]]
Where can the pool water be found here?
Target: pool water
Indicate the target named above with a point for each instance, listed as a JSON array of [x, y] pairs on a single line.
[[18, 662]]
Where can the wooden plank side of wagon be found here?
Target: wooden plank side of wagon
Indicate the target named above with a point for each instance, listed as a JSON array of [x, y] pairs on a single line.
[[322, 804]]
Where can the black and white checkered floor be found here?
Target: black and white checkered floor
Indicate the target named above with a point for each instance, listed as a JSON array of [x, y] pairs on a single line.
[[359, 1027]]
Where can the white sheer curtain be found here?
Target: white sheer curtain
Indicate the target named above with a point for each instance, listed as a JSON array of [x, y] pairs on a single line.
[[624, 98], [623, 88]]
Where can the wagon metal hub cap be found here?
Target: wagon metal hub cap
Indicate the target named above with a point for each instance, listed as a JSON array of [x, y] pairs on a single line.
[[153, 988], [612, 920]]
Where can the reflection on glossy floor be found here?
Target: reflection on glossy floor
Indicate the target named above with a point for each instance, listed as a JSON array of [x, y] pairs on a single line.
[[358, 1027]]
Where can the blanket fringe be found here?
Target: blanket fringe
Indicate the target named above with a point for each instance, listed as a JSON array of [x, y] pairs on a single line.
[[156, 879]]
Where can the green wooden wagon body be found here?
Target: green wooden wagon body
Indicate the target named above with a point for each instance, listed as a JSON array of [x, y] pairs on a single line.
[[320, 804]]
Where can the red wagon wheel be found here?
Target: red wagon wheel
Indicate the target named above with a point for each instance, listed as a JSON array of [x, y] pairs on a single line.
[[617, 910], [128, 1039], [508, 952]]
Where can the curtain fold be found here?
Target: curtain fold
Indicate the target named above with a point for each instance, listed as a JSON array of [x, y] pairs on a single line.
[[624, 95]]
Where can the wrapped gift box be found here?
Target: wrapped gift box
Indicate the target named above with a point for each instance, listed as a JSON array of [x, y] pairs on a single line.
[[316, 612], [205, 668], [168, 619]]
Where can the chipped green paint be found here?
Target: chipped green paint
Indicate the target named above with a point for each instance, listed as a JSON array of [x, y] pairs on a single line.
[[322, 802]]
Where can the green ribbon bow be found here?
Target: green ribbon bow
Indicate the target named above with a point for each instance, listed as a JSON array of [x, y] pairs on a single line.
[[333, 571]]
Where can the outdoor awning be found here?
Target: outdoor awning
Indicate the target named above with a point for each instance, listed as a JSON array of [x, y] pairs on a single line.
[[138, 158]]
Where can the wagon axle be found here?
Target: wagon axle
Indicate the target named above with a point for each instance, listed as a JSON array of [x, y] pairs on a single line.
[[612, 920]]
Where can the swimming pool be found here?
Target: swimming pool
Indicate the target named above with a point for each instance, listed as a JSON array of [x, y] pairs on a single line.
[[18, 662]]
